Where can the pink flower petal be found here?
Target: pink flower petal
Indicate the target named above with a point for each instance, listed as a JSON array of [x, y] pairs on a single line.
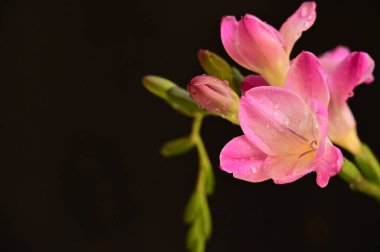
[[331, 59], [299, 22], [342, 126], [262, 47], [353, 70], [228, 34], [288, 168], [307, 78], [275, 119], [330, 164], [252, 81], [243, 160]]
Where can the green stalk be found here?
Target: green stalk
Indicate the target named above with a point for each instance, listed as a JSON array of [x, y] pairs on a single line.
[[197, 213], [351, 174]]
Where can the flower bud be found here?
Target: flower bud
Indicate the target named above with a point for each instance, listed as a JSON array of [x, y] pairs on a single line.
[[215, 96]]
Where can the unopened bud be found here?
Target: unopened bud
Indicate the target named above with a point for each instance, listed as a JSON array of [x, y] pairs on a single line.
[[215, 96]]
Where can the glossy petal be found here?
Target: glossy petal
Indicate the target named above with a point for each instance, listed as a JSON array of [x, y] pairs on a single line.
[[229, 26], [330, 60], [299, 22], [307, 78], [330, 164], [243, 160], [252, 81], [342, 127], [275, 119], [262, 47], [353, 70], [287, 168], [213, 94], [291, 166]]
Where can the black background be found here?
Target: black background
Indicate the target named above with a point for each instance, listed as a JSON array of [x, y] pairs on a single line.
[[80, 167]]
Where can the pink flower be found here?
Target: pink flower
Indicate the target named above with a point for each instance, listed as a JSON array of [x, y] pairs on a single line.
[[285, 130], [345, 71], [215, 96], [259, 47]]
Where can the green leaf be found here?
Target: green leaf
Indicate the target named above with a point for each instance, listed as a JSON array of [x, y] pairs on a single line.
[[180, 100], [193, 208], [177, 147], [158, 85], [368, 164]]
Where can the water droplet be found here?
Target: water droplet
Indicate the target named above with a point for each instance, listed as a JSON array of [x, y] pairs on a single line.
[[276, 106], [267, 125], [310, 17], [307, 24], [350, 94]]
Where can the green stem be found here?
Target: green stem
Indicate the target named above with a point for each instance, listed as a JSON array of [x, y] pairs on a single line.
[[351, 174], [368, 164], [197, 212], [204, 183]]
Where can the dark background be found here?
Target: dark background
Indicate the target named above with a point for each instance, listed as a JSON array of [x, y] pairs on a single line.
[[79, 160]]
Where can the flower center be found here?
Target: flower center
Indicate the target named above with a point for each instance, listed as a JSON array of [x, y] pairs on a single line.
[[313, 147]]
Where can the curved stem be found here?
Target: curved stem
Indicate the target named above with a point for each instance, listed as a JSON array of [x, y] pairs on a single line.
[[351, 174], [197, 212]]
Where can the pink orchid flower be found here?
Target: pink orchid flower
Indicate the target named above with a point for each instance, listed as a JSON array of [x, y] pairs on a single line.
[[285, 130], [260, 48], [345, 71]]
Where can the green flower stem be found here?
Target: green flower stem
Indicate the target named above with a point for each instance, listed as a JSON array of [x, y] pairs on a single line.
[[368, 164], [351, 174], [197, 213], [205, 167]]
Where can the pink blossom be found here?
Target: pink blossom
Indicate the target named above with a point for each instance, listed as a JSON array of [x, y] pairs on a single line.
[[345, 71], [285, 129], [261, 48], [214, 95]]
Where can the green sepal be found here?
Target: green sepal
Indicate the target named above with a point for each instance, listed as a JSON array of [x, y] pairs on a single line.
[[368, 164], [216, 66], [177, 97], [158, 85], [206, 217], [193, 208], [180, 100], [177, 147], [237, 80], [209, 181], [195, 240]]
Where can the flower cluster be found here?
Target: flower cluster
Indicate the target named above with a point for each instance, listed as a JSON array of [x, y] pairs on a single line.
[[291, 111]]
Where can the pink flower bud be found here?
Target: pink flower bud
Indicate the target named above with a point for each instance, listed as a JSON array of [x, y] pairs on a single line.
[[215, 96]]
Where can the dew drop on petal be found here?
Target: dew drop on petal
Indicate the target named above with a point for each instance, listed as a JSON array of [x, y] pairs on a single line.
[[350, 94], [254, 170]]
